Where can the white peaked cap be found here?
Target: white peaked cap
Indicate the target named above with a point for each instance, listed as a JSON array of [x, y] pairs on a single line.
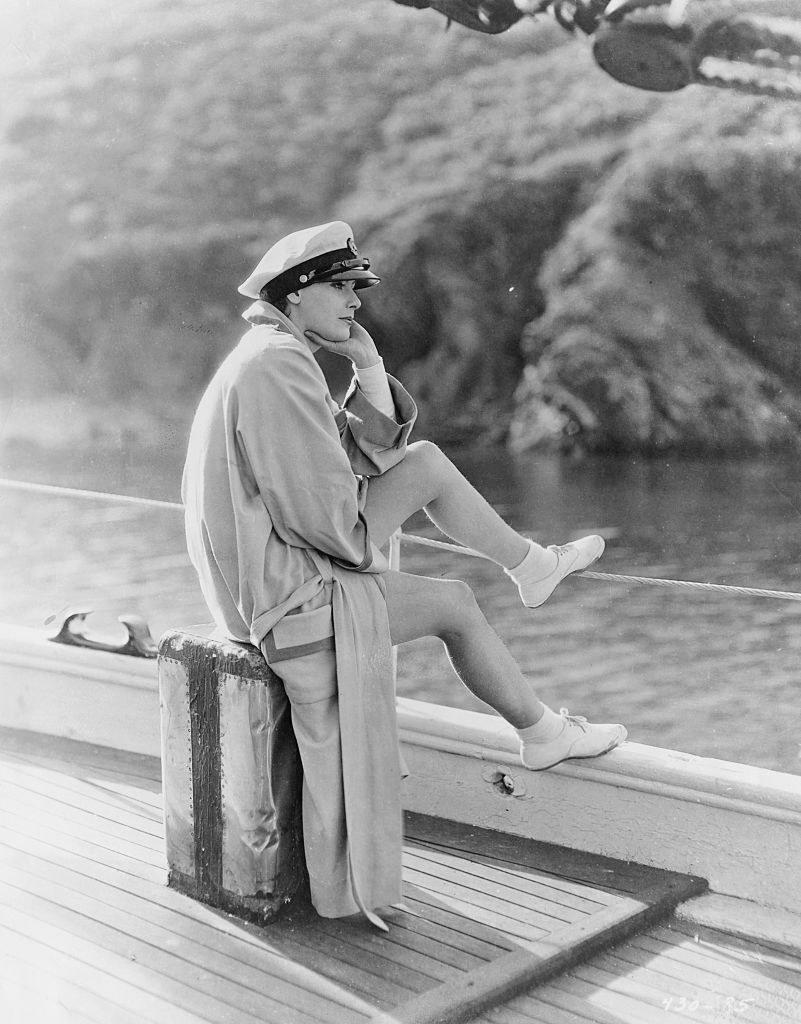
[[326, 252]]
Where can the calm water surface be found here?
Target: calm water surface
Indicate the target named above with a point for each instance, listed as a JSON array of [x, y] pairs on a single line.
[[708, 674]]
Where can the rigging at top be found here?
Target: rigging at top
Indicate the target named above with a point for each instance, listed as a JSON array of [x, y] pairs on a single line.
[[752, 46]]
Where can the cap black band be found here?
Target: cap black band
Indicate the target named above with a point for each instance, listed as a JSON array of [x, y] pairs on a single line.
[[311, 271]]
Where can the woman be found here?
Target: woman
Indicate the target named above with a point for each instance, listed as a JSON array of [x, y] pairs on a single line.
[[289, 499]]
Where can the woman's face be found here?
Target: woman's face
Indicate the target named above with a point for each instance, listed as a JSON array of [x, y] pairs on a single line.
[[327, 308]]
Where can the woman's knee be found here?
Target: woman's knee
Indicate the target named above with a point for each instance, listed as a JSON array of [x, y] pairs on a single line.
[[427, 456], [458, 608], [419, 606]]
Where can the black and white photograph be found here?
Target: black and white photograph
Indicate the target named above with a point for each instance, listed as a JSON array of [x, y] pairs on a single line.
[[400, 511]]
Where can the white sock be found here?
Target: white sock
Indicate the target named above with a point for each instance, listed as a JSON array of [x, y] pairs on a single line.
[[538, 563], [547, 728]]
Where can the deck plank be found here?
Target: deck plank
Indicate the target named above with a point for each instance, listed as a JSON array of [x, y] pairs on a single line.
[[539, 1015], [771, 927], [610, 986], [35, 981], [343, 963], [691, 961], [82, 889], [577, 897], [599, 1006], [113, 819], [406, 947], [75, 756], [34, 790], [360, 943], [219, 932], [500, 914], [201, 989], [26, 828], [541, 909], [711, 992], [108, 974], [668, 974], [778, 961], [149, 922], [111, 790], [455, 929], [32, 815]]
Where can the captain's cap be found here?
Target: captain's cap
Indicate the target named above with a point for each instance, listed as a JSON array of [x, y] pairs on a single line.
[[326, 252]]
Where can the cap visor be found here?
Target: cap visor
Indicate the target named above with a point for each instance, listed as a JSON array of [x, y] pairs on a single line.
[[362, 278]]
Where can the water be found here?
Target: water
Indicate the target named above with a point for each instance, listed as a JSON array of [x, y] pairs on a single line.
[[708, 674]]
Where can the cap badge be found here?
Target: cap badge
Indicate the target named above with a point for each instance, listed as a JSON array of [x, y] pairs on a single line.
[[352, 246]]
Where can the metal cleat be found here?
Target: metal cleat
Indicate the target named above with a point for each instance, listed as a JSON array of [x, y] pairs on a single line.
[[67, 628]]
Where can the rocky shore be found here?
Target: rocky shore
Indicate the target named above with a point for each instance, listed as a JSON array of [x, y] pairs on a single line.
[[642, 293]]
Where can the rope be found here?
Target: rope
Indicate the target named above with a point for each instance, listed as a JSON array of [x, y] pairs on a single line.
[[720, 588], [411, 538], [427, 542], [74, 492], [608, 577]]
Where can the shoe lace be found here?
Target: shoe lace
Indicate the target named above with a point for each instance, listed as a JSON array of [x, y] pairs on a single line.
[[578, 720]]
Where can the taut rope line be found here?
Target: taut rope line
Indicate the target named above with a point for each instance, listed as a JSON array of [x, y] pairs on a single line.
[[74, 492], [608, 577], [411, 538]]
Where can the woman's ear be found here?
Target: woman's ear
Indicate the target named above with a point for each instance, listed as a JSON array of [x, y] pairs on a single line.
[[294, 298]]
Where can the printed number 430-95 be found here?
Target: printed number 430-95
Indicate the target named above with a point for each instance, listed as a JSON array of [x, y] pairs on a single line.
[[717, 1004]]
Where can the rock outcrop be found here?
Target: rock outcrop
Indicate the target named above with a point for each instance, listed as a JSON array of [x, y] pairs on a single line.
[[673, 303]]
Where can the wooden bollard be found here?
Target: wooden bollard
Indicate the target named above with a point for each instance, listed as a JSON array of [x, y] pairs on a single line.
[[231, 777]]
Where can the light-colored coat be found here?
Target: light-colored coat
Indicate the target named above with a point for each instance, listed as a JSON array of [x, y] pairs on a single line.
[[274, 486]]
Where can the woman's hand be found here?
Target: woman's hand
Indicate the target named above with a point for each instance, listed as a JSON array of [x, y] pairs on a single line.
[[359, 348]]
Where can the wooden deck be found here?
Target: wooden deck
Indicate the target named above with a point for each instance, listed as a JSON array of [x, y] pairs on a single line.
[[89, 931], [670, 973]]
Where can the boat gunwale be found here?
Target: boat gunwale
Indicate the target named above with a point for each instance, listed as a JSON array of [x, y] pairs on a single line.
[[660, 771]]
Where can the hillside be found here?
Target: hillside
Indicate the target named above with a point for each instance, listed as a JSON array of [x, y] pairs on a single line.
[[566, 261]]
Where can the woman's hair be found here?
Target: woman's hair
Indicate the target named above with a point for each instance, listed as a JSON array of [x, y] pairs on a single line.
[[279, 301]]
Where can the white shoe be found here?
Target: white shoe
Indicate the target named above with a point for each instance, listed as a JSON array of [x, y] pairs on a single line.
[[578, 738], [572, 557]]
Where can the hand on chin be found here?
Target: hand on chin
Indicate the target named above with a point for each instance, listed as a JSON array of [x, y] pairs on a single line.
[[335, 334]]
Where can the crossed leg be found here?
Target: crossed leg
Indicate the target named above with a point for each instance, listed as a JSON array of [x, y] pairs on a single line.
[[427, 479], [419, 606]]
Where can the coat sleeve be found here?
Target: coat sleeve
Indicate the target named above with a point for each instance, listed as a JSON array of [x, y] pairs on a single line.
[[290, 443], [374, 442]]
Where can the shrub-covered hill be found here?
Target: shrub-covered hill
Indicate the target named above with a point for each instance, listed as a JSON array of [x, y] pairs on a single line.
[[647, 249], [565, 260]]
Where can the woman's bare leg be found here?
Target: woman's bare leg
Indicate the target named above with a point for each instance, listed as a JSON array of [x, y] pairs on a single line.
[[419, 606], [427, 479]]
